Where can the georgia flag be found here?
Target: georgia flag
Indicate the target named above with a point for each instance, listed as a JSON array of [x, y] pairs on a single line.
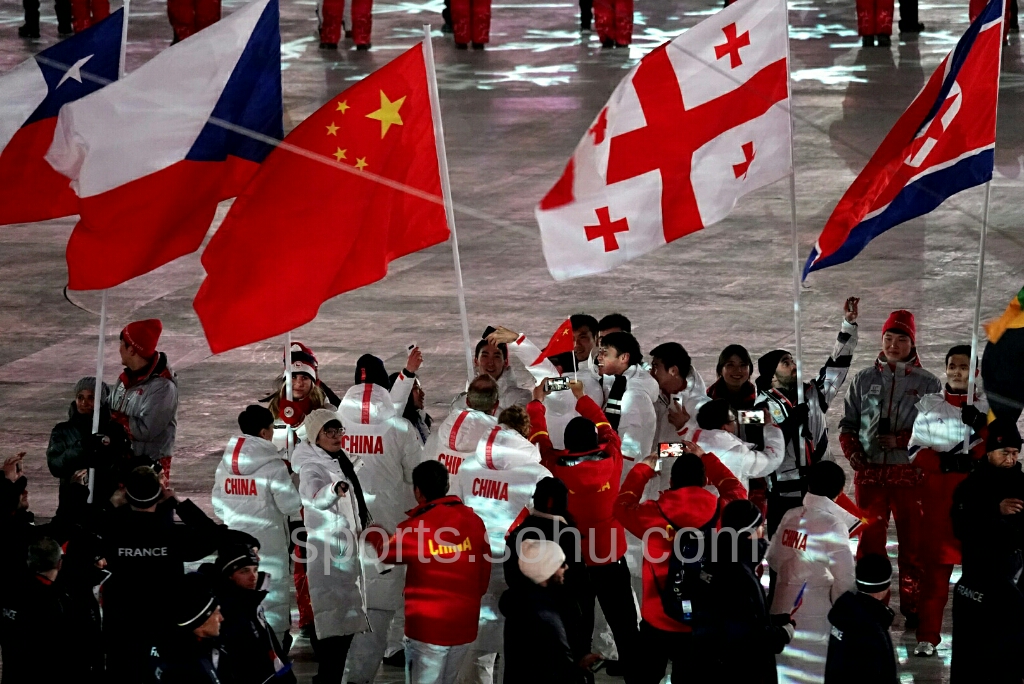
[[697, 124]]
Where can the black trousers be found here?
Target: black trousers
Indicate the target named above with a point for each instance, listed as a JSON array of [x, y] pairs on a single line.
[[331, 653], [908, 15], [63, 8], [610, 584], [658, 647], [586, 13]]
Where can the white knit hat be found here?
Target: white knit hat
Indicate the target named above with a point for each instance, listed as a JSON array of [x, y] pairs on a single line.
[[315, 422], [539, 559]]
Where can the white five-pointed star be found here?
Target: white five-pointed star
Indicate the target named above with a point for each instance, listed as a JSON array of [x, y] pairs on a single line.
[[74, 72]]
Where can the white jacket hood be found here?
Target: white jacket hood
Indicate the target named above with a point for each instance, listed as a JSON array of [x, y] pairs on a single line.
[[464, 429], [247, 454], [504, 449], [308, 453], [368, 404]]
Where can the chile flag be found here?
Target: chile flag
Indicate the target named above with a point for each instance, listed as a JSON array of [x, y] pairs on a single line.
[[943, 143], [34, 92]]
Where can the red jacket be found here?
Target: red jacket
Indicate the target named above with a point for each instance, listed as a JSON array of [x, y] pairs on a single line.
[[593, 485], [447, 573], [683, 507]]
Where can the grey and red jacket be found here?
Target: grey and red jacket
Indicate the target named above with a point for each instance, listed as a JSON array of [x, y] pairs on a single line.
[[145, 403], [883, 393]]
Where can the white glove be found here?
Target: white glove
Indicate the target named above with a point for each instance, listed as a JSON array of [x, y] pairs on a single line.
[[790, 631]]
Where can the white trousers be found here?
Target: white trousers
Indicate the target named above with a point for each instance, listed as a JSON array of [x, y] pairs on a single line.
[[430, 664], [367, 651]]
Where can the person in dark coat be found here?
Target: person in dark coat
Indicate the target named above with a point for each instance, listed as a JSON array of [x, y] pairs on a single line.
[[83, 570], [146, 549], [860, 647], [16, 521], [550, 519], [987, 602], [190, 652], [240, 587], [38, 624], [540, 621], [740, 622]]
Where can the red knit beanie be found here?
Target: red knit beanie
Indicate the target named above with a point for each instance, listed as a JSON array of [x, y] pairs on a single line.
[[142, 336], [901, 321]]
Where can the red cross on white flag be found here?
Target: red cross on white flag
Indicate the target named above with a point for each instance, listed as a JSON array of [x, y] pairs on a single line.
[[697, 124]]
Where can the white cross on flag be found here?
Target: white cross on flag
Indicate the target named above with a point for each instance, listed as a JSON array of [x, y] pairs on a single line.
[[697, 124]]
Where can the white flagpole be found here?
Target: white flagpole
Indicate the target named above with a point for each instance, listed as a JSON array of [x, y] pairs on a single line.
[[792, 209], [981, 250], [446, 191], [288, 390], [124, 41], [977, 315], [98, 387]]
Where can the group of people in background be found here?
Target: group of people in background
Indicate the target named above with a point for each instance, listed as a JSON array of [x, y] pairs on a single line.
[[514, 539]]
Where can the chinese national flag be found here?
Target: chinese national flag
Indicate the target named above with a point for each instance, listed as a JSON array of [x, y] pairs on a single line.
[[562, 341], [325, 218]]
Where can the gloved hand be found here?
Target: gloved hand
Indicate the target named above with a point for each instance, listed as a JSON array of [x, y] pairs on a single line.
[[970, 415], [780, 619], [857, 461], [790, 631], [798, 414]]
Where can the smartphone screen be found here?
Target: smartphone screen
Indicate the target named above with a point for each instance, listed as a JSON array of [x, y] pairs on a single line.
[[556, 384], [751, 417], [670, 450]]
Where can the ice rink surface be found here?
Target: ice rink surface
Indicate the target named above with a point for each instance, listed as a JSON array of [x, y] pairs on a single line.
[[512, 116]]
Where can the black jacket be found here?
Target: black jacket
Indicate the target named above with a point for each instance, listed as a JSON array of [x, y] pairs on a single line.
[[73, 447], [992, 543], [860, 649], [577, 582], [245, 634], [146, 553], [539, 626], [182, 658], [740, 618], [38, 631]]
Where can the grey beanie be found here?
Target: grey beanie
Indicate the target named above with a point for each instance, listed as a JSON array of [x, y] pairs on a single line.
[[89, 383]]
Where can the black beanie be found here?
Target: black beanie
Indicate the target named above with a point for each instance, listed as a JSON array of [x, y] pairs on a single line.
[[255, 418], [142, 487], [712, 415], [551, 496], [766, 367], [193, 601], [1002, 434], [580, 436], [371, 369], [874, 573], [235, 557]]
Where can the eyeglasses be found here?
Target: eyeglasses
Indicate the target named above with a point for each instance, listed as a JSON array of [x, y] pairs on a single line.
[[334, 432]]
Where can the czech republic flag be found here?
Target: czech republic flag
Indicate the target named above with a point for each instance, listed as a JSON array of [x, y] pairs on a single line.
[[33, 94]]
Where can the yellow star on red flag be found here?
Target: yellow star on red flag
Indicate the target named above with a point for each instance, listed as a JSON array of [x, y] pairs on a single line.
[[387, 114]]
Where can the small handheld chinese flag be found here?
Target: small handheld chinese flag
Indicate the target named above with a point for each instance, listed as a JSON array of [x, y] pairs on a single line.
[[562, 341]]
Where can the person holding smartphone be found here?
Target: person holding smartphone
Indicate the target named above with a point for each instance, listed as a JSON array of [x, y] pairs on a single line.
[[875, 431]]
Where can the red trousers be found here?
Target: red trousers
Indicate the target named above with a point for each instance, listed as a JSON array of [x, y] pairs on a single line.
[[302, 590], [85, 13], [874, 17], [165, 465], [976, 6], [904, 503], [471, 21], [932, 601], [332, 13], [190, 16], [613, 20]]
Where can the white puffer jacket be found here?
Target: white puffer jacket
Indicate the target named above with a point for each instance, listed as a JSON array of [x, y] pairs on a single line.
[[457, 437], [812, 546], [253, 492], [333, 550], [638, 425], [693, 396], [497, 482], [938, 425], [742, 458], [384, 448]]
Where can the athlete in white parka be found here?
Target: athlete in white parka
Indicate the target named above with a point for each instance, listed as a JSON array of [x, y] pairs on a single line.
[[253, 493], [497, 482], [384, 448], [629, 396], [456, 438], [811, 553]]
